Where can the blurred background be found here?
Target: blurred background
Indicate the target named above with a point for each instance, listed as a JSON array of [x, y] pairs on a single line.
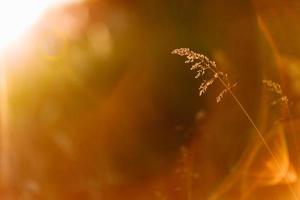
[[94, 105]]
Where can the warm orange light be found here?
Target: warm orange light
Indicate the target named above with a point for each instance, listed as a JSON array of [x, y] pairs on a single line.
[[17, 16]]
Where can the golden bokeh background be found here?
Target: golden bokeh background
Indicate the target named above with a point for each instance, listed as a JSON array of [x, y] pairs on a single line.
[[95, 106]]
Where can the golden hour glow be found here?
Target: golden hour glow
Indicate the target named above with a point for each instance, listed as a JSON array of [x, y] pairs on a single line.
[[16, 17], [149, 100]]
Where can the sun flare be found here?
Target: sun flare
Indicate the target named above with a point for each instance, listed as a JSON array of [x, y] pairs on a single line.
[[16, 17]]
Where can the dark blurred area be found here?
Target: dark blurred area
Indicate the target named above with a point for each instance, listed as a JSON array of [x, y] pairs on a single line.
[[99, 108]]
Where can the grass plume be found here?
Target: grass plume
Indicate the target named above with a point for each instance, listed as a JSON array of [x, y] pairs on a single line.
[[276, 89], [202, 65]]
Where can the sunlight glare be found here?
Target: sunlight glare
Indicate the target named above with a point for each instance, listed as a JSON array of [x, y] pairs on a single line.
[[18, 16]]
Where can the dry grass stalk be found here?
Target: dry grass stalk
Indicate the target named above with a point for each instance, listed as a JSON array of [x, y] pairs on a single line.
[[276, 89], [202, 64]]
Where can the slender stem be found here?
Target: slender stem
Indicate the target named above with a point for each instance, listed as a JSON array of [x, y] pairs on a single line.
[[262, 138], [278, 60]]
